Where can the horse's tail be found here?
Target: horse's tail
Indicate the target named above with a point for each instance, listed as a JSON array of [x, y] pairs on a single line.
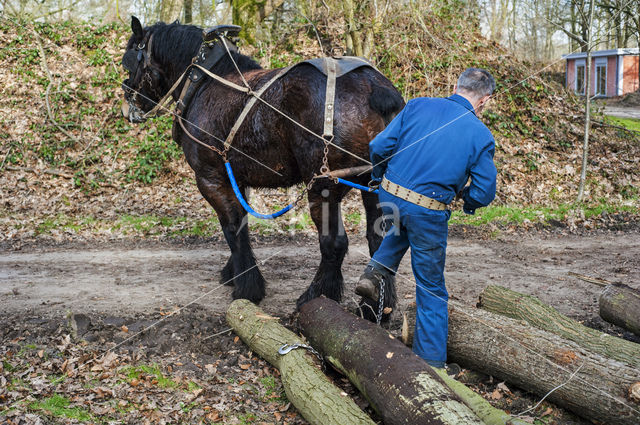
[[386, 101]]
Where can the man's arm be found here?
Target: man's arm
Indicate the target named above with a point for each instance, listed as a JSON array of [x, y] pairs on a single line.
[[382, 147], [482, 189]]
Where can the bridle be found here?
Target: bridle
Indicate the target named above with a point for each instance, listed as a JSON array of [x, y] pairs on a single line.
[[140, 55]]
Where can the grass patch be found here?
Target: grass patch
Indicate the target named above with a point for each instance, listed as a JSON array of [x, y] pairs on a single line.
[[154, 371], [628, 123], [145, 225], [508, 215], [58, 406], [272, 391]]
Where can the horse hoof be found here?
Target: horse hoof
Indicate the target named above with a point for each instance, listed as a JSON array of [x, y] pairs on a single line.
[[307, 296]]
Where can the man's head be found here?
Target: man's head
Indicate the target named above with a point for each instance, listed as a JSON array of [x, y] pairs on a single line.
[[476, 85]]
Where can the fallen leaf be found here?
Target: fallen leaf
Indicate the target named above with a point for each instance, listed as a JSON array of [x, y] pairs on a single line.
[[245, 366], [389, 354], [496, 395], [503, 387], [124, 328], [236, 339], [285, 407], [41, 353], [134, 382], [547, 412], [387, 310]]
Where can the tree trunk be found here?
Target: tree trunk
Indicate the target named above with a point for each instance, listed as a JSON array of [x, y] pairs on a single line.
[[310, 391], [620, 305], [587, 107], [506, 302], [188, 11], [593, 386], [249, 14], [400, 386], [481, 407]]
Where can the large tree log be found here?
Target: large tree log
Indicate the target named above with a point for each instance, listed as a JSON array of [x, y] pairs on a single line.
[[620, 305], [310, 391], [589, 384], [400, 386], [497, 299], [481, 407]]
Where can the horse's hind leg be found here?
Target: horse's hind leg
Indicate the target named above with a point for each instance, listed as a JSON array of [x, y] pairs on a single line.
[[241, 269], [373, 214], [324, 205]]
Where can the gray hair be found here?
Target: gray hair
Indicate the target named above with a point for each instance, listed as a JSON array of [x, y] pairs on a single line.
[[477, 82]]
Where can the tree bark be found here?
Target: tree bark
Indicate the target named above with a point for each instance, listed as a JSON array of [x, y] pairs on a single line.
[[506, 302], [587, 107], [400, 386], [620, 305], [310, 391], [591, 385], [481, 407], [249, 14]]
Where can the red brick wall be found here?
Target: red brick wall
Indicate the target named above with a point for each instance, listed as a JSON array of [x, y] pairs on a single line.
[[630, 76]]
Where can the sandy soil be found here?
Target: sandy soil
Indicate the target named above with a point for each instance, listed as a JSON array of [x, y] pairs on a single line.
[[120, 279]]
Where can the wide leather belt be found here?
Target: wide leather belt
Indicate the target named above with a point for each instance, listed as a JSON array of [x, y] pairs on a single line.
[[411, 196]]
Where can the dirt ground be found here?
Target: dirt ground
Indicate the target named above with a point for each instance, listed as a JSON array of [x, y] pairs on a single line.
[[140, 278], [106, 293]]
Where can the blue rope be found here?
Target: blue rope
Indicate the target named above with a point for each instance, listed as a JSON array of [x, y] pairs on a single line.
[[244, 203], [247, 207], [357, 186]]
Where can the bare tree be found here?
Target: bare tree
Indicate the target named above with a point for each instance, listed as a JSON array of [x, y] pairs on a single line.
[[587, 121]]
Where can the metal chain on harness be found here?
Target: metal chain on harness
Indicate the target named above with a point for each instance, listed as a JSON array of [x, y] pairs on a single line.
[[383, 227], [286, 348]]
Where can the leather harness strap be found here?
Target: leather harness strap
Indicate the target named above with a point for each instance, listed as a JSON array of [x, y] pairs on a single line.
[[249, 105], [330, 96], [411, 196]]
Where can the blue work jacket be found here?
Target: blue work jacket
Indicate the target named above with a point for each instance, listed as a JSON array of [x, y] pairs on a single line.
[[433, 146]]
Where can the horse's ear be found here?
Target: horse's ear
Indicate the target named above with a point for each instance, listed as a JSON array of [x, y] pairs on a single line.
[[136, 27]]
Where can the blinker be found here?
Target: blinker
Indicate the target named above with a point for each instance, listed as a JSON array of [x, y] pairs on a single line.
[[129, 61]]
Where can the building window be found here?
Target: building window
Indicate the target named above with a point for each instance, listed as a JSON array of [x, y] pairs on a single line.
[[580, 67], [601, 78]]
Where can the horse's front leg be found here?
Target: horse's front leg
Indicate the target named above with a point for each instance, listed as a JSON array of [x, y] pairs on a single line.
[[324, 205], [241, 269]]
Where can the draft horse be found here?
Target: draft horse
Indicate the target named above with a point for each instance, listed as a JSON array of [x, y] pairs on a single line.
[[269, 151]]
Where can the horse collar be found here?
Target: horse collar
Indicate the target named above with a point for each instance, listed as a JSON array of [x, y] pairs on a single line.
[[207, 57]]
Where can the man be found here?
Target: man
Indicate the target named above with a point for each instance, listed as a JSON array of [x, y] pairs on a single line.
[[423, 159]]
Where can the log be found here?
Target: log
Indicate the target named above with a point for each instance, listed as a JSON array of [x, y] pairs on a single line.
[[399, 385], [310, 391], [620, 305], [589, 384], [481, 407], [506, 302]]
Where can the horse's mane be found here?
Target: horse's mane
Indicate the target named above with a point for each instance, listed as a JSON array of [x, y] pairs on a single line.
[[175, 45]]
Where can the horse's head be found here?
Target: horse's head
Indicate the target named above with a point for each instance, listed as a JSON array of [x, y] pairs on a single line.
[[146, 83]]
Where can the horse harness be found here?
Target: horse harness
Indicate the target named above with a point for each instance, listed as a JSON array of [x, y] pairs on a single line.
[[210, 54]]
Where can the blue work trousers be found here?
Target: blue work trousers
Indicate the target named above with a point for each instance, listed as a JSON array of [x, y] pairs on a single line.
[[425, 231]]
